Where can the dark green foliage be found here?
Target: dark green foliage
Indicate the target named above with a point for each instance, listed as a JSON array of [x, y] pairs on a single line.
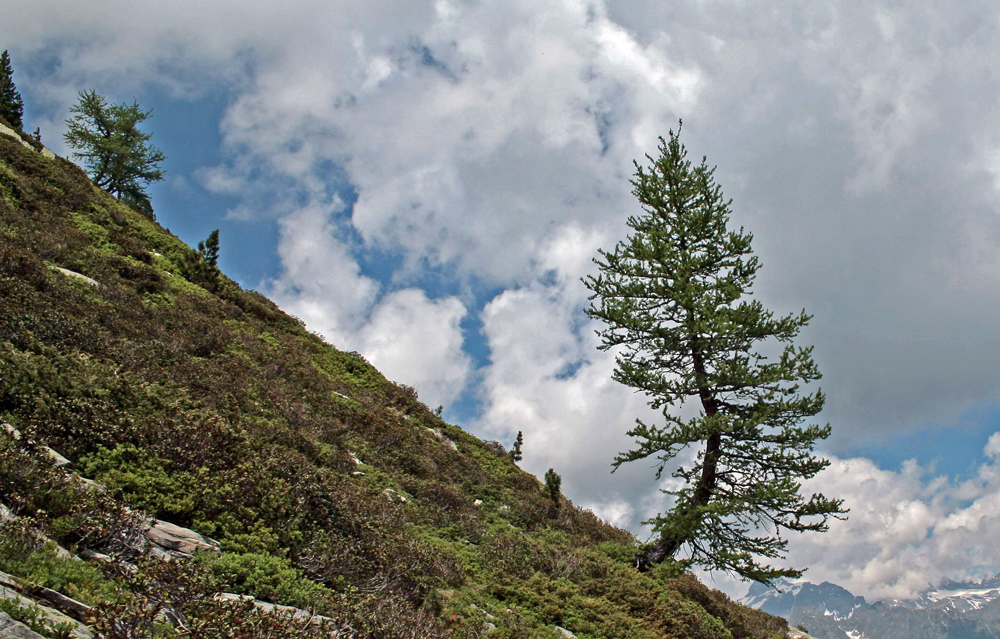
[[209, 249], [11, 105], [266, 577], [675, 296], [201, 267], [553, 485], [199, 402], [515, 450], [117, 154]]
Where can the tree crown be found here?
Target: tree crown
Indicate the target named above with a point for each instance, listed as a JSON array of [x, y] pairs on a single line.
[[117, 154], [11, 105]]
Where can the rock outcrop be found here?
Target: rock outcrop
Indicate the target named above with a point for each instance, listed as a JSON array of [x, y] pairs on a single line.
[[11, 133], [57, 609], [170, 541], [10, 629]]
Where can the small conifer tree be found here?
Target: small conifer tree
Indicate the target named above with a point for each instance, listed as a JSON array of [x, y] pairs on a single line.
[[553, 485], [209, 249], [515, 451], [11, 105], [202, 267]]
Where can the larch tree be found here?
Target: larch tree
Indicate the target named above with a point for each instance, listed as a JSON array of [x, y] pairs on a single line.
[[117, 154], [675, 298], [11, 105]]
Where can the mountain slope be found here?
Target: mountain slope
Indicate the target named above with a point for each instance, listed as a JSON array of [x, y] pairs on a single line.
[[328, 487]]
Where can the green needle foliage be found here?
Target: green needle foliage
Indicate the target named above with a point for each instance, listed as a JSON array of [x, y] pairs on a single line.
[[675, 298], [209, 249], [515, 451], [553, 485], [116, 153], [11, 105]]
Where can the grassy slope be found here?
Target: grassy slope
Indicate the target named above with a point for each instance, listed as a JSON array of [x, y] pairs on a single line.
[[203, 404]]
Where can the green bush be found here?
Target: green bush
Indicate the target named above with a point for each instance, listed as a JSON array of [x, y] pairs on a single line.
[[44, 567], [142, 479], [265, 577]]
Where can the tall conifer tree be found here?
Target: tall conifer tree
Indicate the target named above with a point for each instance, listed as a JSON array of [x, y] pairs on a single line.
[[675, 298], [11, 105]]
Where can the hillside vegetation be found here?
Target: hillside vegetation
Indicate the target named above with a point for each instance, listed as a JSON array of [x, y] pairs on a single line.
[[328, 487]]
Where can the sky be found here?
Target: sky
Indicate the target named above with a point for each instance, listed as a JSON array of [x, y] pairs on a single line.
[[426, 183]]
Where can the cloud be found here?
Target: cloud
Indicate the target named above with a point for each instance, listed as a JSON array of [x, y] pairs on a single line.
[[321, 282], [907, 530], [547, 379], [859, 146], [412, 338]]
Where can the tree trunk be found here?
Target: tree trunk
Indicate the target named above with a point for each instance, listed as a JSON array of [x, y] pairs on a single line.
[[668, 546], [656, 553]]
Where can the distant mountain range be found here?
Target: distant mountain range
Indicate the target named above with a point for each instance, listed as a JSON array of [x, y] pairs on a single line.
[[953, 610]]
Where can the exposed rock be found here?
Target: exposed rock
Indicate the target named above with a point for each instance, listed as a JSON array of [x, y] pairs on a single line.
[[295, 613], [90, 484], [485, 614], [58, 460], [10, 629], [11, 589], [6, 516], [170, 541], [66, 605], [80, 276], [444, 439], [62, 553], [9, 132], [393, 495], [8, 586], [93, 555], [5, 130], [477, 503], [565, 633]]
